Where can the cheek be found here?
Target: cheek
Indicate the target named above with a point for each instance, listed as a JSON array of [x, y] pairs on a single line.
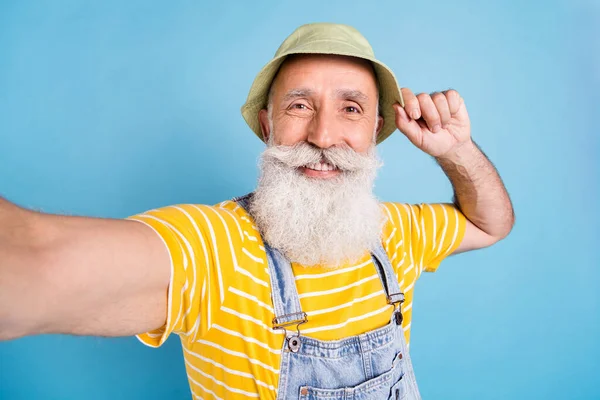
[[289, 132], [360, 140]]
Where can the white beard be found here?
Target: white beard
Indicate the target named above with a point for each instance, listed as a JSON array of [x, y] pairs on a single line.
[[312, 221]]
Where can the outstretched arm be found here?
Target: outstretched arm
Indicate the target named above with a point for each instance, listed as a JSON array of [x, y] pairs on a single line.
[[77, 275]]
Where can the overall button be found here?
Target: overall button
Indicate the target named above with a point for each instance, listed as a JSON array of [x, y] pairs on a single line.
[[398, 318], [294, 344]]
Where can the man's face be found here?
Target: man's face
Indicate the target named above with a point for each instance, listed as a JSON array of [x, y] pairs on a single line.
[[325, 101], [314, 200]]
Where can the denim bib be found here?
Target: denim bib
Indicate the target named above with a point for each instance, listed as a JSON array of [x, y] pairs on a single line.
[[374, 365]]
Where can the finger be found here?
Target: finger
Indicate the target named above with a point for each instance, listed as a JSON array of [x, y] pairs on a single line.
[[442, 107], [429, 112], [411, 104], [462, 115], [453, 98], [409, 127]]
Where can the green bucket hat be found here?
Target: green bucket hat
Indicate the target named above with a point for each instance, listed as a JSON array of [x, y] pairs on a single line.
[[325, 38]]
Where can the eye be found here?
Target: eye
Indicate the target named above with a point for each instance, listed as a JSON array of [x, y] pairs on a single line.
[[299, 106], [351, 109]]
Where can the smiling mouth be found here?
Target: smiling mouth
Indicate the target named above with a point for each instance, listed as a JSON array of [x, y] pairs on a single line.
[[321, 166], [320, 170]]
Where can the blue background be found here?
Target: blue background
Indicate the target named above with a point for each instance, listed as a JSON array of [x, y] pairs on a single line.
[[112, 108]]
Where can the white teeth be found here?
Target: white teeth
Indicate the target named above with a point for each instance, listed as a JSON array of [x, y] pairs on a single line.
[[319, 166]]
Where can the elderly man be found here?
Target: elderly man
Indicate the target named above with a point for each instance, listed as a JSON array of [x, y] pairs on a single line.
[[301, 289]]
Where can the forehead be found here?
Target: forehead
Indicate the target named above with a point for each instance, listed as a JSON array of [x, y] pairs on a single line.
[[322, 70]]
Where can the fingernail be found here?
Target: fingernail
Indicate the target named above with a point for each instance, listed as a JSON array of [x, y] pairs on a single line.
[[435, 128], [414, 114]]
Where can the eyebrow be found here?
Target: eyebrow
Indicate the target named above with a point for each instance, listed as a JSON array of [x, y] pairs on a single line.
[[351, 94], [296, 93], [346, 94]]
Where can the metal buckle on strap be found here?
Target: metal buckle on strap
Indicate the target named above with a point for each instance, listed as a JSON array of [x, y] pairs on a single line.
[[391, 300], [303, 318], [396, 304], [293, 340]]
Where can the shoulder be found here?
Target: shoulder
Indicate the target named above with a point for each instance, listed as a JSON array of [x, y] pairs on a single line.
[[400, 216], [198, 220], [396, 212], [416, 223], [417, 214]]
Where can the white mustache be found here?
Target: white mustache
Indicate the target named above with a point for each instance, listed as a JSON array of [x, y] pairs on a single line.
[[342, 157]]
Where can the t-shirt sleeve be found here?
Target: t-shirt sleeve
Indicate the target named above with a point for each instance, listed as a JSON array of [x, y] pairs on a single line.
[[183, 235], [430, 232]]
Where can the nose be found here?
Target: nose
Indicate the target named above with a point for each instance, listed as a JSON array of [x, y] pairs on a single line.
[[323, 131]]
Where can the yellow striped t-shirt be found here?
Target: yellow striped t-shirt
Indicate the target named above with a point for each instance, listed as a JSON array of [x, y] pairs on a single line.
[[219, 300]]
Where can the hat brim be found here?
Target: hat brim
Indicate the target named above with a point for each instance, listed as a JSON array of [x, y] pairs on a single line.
[[389, 90]]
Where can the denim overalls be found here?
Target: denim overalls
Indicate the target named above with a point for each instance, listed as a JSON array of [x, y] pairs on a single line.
[[372, 366]]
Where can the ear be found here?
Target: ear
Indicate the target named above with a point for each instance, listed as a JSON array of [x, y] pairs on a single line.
[[263, 118], [380, 121]]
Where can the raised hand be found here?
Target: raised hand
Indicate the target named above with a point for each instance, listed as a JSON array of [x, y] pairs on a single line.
[[437, 123]]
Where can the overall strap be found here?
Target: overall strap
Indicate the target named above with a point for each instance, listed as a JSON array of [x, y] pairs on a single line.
[[286, 303], [244, 201], [387, 276]]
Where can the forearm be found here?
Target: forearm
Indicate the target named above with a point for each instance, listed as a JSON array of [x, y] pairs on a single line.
[[79, 275], [17, 256], [479, 191]]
